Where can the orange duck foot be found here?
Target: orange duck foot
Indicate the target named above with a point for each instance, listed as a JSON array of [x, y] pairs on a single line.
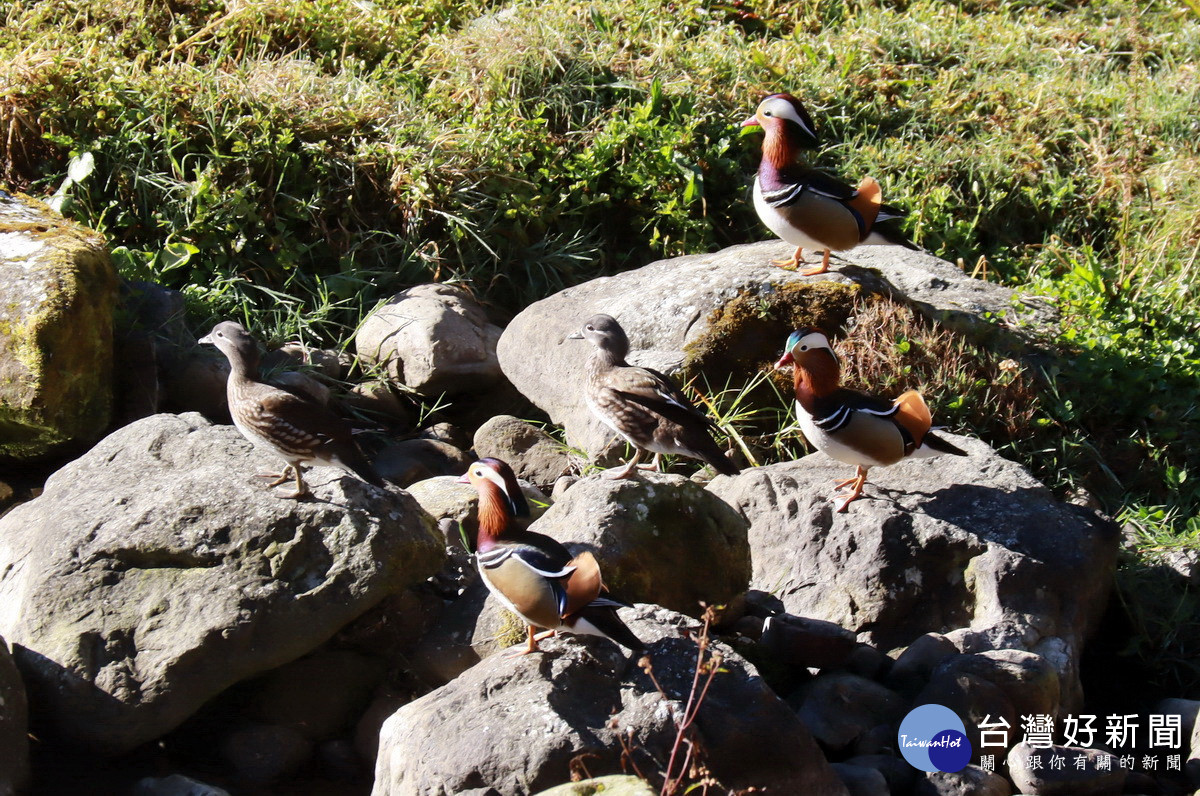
[[856, 486], [791, 263], [819, 269], [529, 648]]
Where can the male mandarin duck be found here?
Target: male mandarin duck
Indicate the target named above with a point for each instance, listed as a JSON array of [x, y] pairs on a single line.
[[642, 405], [294, 428], [805, 207], [851, 426], [534, 576]]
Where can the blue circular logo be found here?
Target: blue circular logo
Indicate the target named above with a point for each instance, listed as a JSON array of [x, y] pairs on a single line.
[[933, 738]]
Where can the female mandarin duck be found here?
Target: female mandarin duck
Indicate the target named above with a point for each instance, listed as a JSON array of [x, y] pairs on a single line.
[[642, 405], [851, 426], [293, 428], [533, 575], [807, 208]]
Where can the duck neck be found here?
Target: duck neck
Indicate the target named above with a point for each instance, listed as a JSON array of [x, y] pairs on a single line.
[[816, 377], [243, 365], [494, 516], [780, 148]]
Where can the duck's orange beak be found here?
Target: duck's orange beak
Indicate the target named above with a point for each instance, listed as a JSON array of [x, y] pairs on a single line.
[[751, 122], [463, 479], [786, 359]]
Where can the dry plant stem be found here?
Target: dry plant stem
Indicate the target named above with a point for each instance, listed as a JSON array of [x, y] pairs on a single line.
[[696, 697]]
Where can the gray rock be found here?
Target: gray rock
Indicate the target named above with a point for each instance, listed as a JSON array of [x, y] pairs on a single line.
[[380, 401], [975, 544], [175, 785], [532, 453], [1045, 779], [799, 641], [196, 383], [318, 695], [669, 310], [432, 339], [412, 460], [977, 701], [261, 753], [861, 780], [613, 785], [154, 572], [514, 724], [58, 289], [329, 365], [658, 538], [971, 781], [900, 776], [449, 433], [1028, 681], [14, 741], [471, 628], [1192, 767], [915, 665], [840, 707]]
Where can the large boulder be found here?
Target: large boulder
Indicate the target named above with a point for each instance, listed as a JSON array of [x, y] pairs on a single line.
[[516, 724], [433, 339], [58, 289], [971, 547], [14, 740], [658, 538], [721, 313], [155, 571]]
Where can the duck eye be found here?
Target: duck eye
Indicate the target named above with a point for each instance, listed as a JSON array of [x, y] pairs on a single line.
[[803, 348], [590, 328]]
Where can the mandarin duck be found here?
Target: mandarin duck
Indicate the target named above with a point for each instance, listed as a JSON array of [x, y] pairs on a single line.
[[534, 576], [805, 207], [851, 426], [642, 405], [294, 428]]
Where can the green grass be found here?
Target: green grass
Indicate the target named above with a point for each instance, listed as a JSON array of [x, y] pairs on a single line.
[[292, 163]]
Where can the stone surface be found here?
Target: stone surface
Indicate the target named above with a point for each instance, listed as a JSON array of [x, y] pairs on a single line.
[[514, 724], [58, 289], [261, 753], [14, 742], [379, 400], [798, 641], [175, 785], [614, 785], [433, 339], [155, 571], [318, 695], [668, 310], [412, 460], [1044, 780], [861, 780], [658, 538], [532, 453], [915, 665], [839, 708], [971, 781], [896, 771], [973, 548]]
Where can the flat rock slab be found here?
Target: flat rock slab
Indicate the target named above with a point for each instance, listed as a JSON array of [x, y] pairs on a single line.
[[155, 571], [971, 545], [58, 288], [515, 724], [667, 309]]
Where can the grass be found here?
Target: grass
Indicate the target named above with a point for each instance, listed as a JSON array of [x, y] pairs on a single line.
[[293, 163]]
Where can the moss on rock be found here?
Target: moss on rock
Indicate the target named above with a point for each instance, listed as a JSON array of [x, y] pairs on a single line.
[[58, 289], [751, 328]]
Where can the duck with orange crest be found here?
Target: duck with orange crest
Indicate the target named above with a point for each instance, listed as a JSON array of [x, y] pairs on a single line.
[[534, 576], [807, 208], [851, 426]]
